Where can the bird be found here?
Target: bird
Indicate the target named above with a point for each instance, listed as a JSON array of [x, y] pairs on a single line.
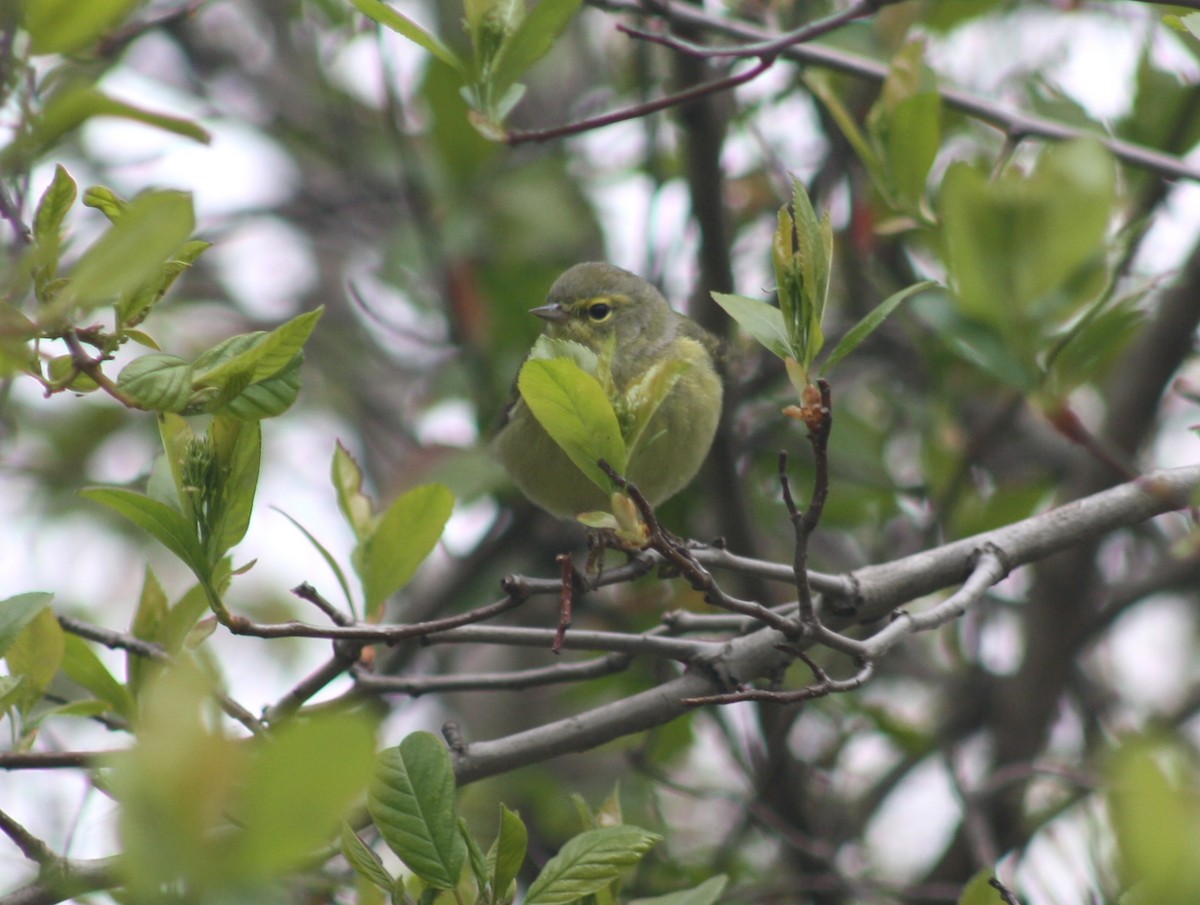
[[625, 320]]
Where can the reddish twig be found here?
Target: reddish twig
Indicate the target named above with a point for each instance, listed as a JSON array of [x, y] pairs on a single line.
[[639, 110]]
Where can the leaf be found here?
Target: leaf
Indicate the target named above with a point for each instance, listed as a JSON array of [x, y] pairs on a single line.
[[643, 396], [760, 319], [82, 665], [52, 209], [63, 26], [1016, 246], [265, 354], [508, 852], [589, 862], [707, 893], [865, 327], [268, 398], [572, 407], [17, 612], [147, 624], [406, 533], [330, 756], [911, 139], [475, 857], [35, 655], [362, 858], [531, 40], [347, 480], [106, 201], [164, 523], [979, 891], [412, 803], [159, 382], [238, 447], [380, 12], [151, 229]]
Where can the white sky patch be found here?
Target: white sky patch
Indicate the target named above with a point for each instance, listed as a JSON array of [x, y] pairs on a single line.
[[1150, 652], [267, 265], [914, 824], [449, 423]]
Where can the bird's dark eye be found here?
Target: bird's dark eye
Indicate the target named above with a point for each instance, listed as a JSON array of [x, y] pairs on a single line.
[[599, 311]]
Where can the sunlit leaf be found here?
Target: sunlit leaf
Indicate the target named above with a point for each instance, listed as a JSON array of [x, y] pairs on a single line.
[[530, 41], [164, 523], [589, 862], [151, 229], [707, 893], [865, 327], [17, 612], [62, 26], [412, 803], [398, 22], [405, 534], [760, 319], [574, 410], [158, 382], [330, 756]]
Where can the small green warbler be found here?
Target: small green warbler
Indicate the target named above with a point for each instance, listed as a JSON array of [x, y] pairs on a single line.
[[631, 329]]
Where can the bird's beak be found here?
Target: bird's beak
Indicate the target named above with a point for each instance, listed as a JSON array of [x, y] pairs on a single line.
[[553, 312]]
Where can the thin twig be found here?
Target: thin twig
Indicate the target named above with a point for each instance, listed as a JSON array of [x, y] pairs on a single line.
[[1011, 123], [771, 47], [559, 673], [639, 110]]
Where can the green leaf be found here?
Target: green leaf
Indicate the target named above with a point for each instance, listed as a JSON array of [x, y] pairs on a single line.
[[1016, 245], [475, 857], [134, 248], [35, 655], [572, 407], [865, 327], [106, 201], [17, 612], [911, 139], [82, 665], [979, 891], [380, 12], [707, 893], [147, 624], [1156, 816], [1188, 25], [412, 803], [347, 479], [262, 354], [507, 853], [52, 209], [159, 382], [330, 756], [642, 398], [164, 523], [63, 26], [760, 319], [821, 86], [589, 862], [531, 40], [366, 863], [238, 448], [268, 398], [405, 534]]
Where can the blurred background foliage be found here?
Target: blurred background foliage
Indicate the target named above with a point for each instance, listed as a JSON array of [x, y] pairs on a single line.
[[333, 162]]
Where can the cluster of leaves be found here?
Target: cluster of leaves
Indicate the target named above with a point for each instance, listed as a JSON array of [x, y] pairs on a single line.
[[506, 39], [412, 806], [803, 261]]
